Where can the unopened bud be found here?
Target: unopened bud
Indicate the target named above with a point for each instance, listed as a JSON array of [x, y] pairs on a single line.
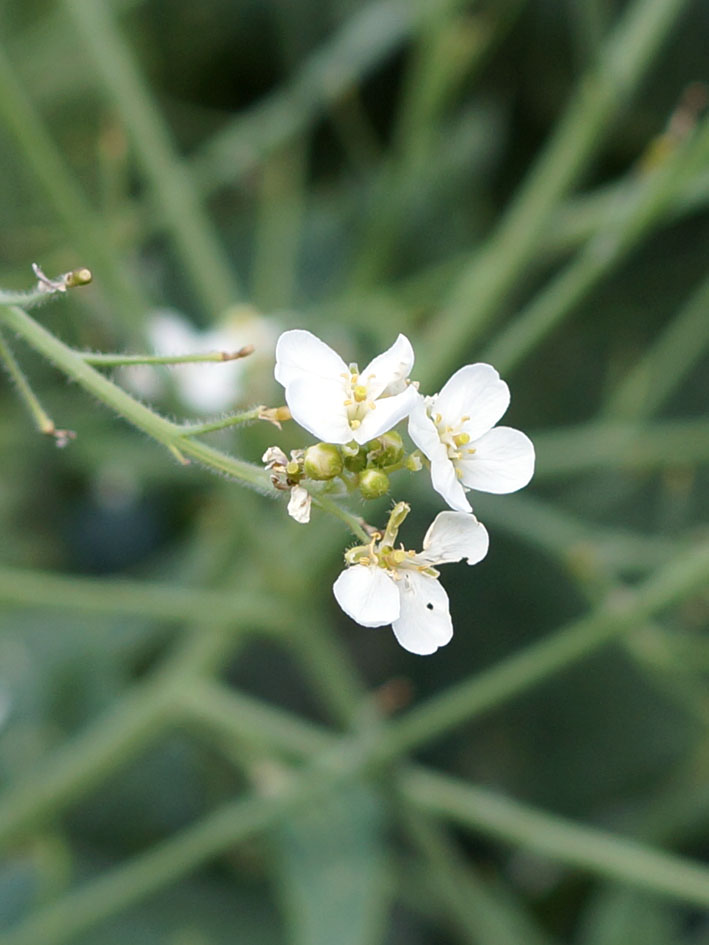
[[386, 450], [322, 461], [373, 483], [356, 462]]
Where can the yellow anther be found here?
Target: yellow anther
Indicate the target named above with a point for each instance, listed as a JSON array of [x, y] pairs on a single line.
[[348, 402], [354, 424], [471, 450], [438, 418], [459, 473], [360, 393], [460, 439], [292, 468]]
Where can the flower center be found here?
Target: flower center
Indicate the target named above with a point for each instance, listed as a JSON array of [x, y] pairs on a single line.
[[357, 399], [454, 437]]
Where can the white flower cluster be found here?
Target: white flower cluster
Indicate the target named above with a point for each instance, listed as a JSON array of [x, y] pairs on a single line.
[[353, 413]]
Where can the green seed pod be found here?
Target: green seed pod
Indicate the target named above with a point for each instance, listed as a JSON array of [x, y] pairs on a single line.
[[322, 461], [386, 450], [373, 483]]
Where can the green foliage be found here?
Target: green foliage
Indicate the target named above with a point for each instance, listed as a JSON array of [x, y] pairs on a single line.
[[196, 747]]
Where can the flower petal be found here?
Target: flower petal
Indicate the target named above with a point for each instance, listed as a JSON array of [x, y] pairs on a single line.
[[387, 412], [299, 505], [318, 406], [476, 391], [423, 432], [454, 536], [424, 622], [387, 373], [503, 461], [300, 354], [368, 595]]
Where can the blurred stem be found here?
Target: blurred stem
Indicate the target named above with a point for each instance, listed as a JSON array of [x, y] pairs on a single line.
[[120, 596], [666, 363], [364, 41], [686, 574], [86, 230], [600, 94], [191, 230], [126, 728], [606, 445], [197, 429], [279, 228], [481, 915], [72, 363], [43, 421], [634, 218], [587, 848]]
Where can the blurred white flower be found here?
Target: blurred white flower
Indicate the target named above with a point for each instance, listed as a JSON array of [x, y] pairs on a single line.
[[456, 431], [337, 403], [213, 386], [384, 585]]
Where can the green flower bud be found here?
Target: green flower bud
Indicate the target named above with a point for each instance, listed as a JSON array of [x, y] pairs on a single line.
[[373, 483], [356, 462], [322, 461], [386, 450]]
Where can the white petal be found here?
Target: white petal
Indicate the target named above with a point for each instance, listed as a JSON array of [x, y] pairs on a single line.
[[475, 391], [318, 406], [388, 371], [171, 334], [424, 623], [503, 461], [300, 354], [454, 536], [387, 412], [299, 505], [446, 483], [423, 432], [368, 595]]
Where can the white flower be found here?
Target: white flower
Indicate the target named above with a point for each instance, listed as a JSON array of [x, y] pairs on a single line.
[[456, 431], [210, 387], [398, 587], [337, 403]]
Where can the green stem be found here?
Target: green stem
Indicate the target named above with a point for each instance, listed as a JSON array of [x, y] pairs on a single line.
[[201, 254], [605, 445], [120, 596], [43, 421], [169, 434], [661, 369], [520, 672], [121, 360], [86, 229], [487, 280], [587, 848], [635, 217], [197, 429]]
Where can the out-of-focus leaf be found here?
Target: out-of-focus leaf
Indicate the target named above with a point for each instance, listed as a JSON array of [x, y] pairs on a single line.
[[332, 869]]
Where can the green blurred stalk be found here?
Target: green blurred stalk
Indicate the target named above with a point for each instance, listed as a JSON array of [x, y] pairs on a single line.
[[666, 363], [587, 848], [488, 278], [84, 227], [72, 363], [633, 863], [635, 217], [189, 226]]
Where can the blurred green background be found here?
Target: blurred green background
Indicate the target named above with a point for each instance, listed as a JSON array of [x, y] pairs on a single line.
[[520, 182]]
